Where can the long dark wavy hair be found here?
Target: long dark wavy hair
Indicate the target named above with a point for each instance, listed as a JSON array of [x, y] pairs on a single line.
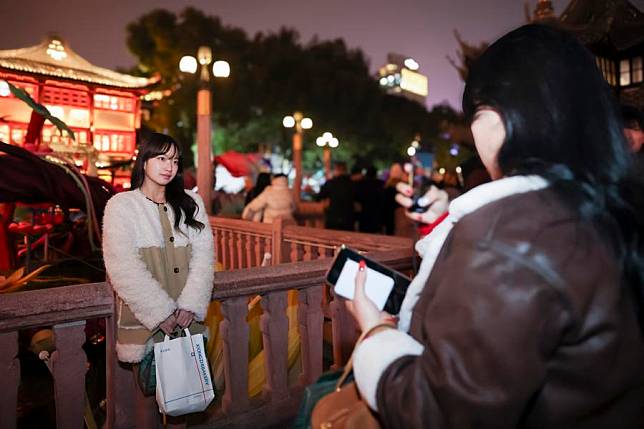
[[182, 204], [562, 123]]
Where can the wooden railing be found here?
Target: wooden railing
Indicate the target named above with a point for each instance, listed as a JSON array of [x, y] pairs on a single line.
[[302, 256]]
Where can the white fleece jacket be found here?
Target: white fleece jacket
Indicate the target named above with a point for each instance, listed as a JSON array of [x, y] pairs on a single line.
[[131, 222]]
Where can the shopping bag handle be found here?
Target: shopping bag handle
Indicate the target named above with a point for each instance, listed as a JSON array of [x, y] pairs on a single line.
[[186, 331]]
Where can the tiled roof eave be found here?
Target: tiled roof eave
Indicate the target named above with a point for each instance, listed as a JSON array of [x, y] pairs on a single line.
[[119, 81]]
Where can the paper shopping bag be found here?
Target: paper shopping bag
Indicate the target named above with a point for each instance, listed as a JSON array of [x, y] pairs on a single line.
[[183, 377]]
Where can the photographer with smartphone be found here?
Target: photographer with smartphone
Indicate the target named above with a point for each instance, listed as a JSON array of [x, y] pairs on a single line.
[[527, 307]]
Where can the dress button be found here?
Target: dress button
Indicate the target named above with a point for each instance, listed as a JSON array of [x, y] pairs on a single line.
[[172, 239], [165, 209], [176, 270]]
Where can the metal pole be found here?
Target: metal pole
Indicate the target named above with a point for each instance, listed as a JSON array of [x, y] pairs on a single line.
[[204, 133], [326, 156], [297, 156]]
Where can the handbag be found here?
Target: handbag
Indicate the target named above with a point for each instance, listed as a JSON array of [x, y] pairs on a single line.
[[334, 401], [146, 377], [324, 385], [183, 378]]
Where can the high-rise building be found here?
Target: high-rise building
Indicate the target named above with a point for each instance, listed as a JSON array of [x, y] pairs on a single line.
[[401, 76]]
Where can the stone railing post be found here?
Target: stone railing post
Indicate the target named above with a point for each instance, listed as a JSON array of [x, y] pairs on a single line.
[[234, 333], [69, 365], [10, 375], [310, 318], [274, 326]]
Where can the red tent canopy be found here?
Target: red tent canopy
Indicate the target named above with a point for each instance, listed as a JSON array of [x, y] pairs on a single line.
[[240, 164]]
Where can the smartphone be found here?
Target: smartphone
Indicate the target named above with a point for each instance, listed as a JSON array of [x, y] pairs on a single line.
[[384, 286], [420, 203]]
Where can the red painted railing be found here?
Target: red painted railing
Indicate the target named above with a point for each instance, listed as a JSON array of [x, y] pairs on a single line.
[[300, 258]]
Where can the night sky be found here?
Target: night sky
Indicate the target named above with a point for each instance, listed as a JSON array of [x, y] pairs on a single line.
[[422, 29]]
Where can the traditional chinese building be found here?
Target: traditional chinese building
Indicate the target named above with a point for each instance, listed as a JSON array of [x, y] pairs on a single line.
[[614, 31], [101, 106]]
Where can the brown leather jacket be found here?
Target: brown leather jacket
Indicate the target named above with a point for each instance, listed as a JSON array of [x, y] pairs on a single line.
[[524, 324]]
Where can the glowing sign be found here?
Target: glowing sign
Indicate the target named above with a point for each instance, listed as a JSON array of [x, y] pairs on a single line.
[[413, 82]]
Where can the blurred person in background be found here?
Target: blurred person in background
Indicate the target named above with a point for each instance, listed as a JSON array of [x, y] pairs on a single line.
[[339, 193], [275, 201]]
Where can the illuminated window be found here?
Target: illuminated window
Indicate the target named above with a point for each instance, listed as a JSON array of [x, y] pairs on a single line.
[[114, 141], [624, 72], [4, 133], [112, 102], [18, 135], [46, 135], [64, 97], [637, 71], [607, 68]]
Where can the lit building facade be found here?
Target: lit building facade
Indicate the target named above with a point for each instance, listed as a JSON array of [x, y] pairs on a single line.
[[101, 106], [614, 31], [400, 76]]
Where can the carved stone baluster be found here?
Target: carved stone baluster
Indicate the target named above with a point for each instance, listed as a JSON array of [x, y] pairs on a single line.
[[267, 247], [69, 365], [310, 319], [225, 244], [121, 410], [274, 326], [10, 376], [257, 249], [234, 263], [248, 249], [278, 244], [234, 333], [344, 332], [308, 252], [217, 239], [241, 255]]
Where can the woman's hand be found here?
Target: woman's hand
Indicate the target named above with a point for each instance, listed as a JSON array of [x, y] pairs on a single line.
[[168, 325], [437, 199], [363, 309], [184, 317]]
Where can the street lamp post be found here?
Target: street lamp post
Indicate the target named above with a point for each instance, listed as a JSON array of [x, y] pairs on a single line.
[[188, 64], [300, 123], [327, 142]]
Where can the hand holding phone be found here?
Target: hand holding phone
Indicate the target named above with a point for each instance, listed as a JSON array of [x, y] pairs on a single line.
[[385, 287], [363, 308], [431, 204]]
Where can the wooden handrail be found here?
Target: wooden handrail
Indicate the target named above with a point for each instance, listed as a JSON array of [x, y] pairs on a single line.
[[229, 284]]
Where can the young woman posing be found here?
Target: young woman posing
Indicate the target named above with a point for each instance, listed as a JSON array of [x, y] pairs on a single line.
[[158, 251]]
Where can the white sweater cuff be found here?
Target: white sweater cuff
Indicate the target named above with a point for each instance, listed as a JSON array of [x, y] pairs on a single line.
[[372, 357]]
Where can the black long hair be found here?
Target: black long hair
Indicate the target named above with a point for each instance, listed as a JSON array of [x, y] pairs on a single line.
[[182, 204], [562, 123]]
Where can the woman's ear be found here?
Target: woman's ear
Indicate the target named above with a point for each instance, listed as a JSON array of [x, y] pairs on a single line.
[[489, 134]]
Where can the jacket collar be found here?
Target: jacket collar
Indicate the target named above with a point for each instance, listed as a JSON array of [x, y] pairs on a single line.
[[430, 246]]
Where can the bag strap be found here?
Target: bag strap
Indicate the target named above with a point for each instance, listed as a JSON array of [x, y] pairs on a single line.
[[349, 366]]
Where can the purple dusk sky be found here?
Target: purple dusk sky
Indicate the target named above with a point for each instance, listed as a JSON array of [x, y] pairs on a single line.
[[422, 29]]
